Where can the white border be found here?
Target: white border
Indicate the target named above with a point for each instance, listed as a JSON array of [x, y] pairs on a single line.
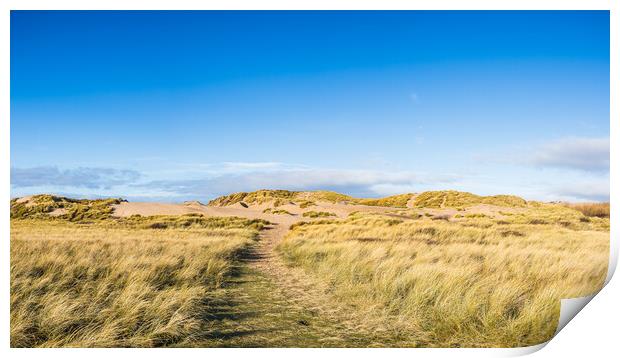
[[603, 327]]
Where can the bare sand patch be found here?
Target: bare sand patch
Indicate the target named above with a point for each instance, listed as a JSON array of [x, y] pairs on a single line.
[[58, 212]]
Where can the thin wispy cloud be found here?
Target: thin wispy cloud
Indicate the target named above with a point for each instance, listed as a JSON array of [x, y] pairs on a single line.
[[194, 170], [92, 178], [252, 165]]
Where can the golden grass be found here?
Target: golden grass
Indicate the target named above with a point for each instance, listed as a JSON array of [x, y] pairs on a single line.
[[456, 199], [256, 197], [429, 199], [330, 196], [114, 285], [317, 214], [551, 214], [186, 221], [304, 204], [277, 211], [478, 282], [306, 199], [40, 206], [600, 210], [394, 201], [279, 197]]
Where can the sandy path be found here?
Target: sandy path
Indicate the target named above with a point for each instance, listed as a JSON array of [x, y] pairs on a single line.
[[302, 291], [295, 282]]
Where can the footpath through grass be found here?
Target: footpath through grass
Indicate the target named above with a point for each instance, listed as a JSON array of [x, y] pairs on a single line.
[[252, 311]]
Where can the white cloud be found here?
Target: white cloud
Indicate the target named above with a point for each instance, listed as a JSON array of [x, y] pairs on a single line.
[[593, 190], [587, 154]]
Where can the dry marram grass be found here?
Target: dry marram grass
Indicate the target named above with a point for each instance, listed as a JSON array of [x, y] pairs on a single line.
[[97, 286], [600, 210], [479, 282]]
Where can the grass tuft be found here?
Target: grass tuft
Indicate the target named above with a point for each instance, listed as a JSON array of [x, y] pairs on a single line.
[[318, 214], [277, 211]]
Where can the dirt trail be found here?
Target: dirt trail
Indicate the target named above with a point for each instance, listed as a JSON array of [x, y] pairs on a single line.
[[293, 282], [263, 255]]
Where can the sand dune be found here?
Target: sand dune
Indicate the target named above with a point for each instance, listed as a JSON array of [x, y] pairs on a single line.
[[125, 209]]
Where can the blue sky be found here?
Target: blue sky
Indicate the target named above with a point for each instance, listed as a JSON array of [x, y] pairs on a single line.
[[190, 105]]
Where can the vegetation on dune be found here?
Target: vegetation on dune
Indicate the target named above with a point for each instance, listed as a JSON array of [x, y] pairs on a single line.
[[42, 206], [476, 282], [255, 197], [322, 221], [279, 197], [101, 286], [456, 199], [473, 215], [279, 202], [600, 210], [304, 204], [395, 201], [553, 215], [277, 211], [429, 199], [317, 214], [83, 211], [445, 217], [305, 198], [330, 196]]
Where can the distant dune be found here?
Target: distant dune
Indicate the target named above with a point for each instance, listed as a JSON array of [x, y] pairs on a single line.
[[270, 204]]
